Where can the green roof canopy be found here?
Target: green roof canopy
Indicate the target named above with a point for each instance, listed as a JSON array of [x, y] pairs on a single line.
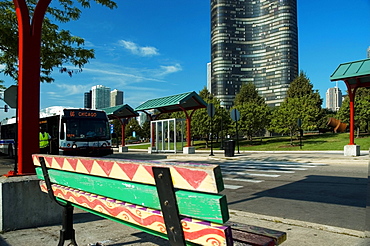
[[353, 73], [120, 111], [185, 101]]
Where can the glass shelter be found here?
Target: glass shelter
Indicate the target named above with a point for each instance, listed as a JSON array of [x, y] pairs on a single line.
[[167, 135]]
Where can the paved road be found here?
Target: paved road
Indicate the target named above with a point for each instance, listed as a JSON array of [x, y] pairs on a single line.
[[317, 188]]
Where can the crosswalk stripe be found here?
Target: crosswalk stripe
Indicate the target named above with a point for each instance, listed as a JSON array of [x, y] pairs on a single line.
[[253, 174], [244, 180], [232, 187]]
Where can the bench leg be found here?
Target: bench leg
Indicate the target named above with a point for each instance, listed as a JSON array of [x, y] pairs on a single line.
[[170, 210], [67, 232]]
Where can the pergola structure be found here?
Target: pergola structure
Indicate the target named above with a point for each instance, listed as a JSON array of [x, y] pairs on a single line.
[[181, 102], [122, 113], [355, 75]]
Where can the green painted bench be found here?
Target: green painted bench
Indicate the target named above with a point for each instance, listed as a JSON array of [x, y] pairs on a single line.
[[176, 201]]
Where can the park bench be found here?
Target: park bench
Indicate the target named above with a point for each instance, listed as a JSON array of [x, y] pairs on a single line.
[[176, 201]]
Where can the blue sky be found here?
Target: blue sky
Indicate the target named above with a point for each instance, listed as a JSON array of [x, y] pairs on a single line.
[[151, 49]]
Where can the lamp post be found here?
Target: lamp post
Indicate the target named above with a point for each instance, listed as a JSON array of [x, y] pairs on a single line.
[[222, 124]]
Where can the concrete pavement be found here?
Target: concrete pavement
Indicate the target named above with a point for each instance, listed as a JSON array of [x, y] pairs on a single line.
[[92, 230]]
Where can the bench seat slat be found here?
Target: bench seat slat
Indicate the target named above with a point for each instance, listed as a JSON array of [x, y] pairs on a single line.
[[193, 176], [278, 236], [195, 231], [204, 206]]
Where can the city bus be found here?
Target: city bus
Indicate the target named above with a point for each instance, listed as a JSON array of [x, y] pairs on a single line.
[[81, 132]]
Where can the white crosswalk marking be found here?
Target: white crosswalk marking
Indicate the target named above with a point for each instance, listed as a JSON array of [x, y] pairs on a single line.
[[243, 180], [233, 187], [258, 171]]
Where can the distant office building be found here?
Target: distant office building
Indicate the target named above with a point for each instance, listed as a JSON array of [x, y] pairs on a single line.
[[368, 52], [334, 99], [87, 99], [116, 98], [100, 97], [253, 41]]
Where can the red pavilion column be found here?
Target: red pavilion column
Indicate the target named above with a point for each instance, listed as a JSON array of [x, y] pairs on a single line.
[[29, 46]]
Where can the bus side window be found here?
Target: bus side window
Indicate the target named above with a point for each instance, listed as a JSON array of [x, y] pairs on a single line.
[[62, 127]]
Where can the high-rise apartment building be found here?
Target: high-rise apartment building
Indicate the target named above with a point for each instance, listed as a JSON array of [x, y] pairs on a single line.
[[116, 98], [100, 97], [334, 99], [253, 41], [87, 99], [368, 52]]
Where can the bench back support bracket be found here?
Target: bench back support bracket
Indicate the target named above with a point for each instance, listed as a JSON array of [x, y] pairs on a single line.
[[67, 232], [170, 210]]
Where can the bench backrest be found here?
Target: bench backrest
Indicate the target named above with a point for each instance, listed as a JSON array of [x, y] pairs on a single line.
[[125, 191]]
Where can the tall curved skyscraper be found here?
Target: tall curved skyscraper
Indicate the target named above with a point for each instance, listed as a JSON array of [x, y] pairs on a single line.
[[253, 41]]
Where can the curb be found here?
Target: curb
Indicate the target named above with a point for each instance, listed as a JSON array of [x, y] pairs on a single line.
[[303, 224]]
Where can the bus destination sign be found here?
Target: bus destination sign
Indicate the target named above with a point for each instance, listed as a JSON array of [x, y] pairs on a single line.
[[84, 114]]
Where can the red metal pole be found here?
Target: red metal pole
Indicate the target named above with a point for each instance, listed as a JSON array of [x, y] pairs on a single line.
[[29, 46], [188, 131], [351, 94], [123, 127]]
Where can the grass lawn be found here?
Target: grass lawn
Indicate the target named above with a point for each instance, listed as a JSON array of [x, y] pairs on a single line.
[[326, 141]]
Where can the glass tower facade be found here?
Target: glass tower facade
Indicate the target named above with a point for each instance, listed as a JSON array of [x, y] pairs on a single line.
[[253, 41], [116, 98], [100, 97]]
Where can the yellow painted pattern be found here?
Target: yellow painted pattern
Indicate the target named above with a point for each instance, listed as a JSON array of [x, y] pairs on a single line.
[[203, 233], [199, 177]]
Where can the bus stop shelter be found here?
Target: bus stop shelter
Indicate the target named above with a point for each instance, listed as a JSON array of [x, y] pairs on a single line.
[[355, 75], [185, 102], [122, 113]]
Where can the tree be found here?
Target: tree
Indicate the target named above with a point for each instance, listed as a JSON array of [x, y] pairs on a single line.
[[201, 122], [145, 130], [302, 102], [133, 126], [59, 48], [362, 109], [254, 112]]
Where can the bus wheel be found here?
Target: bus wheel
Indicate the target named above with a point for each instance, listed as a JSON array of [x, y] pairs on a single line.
[[10, 151]]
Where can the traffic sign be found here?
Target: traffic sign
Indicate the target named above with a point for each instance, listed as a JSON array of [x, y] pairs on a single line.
[[211, 110], [10, 96], [235, 114]]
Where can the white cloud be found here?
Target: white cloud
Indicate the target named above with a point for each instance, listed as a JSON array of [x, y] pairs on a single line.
[[169, 69], [67, 89], [138, 50]]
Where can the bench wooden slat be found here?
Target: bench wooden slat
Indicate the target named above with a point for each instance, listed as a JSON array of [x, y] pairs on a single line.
[[278, 236], [204, 206], [252, 239], [196, 231], [192, 176]]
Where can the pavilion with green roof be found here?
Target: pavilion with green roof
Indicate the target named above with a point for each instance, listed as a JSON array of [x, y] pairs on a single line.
[[355, 75], [121, 113], [181, 102]]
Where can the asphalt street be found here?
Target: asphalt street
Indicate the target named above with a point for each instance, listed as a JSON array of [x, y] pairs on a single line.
[[318, 198]]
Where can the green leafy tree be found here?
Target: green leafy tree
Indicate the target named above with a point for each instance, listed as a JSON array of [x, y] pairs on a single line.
[[302, 102], [324, 116], [201, 122], [254, 112], [59, 47], [362, 110], [133, 126], [145, 130]]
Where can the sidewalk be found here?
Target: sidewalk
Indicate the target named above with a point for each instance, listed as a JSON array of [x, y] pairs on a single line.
[[92, 230]]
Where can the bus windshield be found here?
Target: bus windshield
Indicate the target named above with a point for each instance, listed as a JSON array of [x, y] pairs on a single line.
[[87, 129]]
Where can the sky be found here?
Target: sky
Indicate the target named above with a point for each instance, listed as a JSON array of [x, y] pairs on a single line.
[[150, 49]]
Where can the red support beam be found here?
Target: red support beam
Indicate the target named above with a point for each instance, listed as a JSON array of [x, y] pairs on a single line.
[[351, 93], [29, 46]]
